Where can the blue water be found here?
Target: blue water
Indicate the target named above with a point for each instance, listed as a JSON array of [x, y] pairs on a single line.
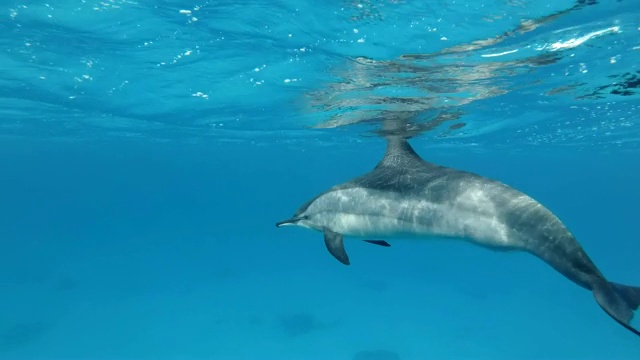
[[148, 148]]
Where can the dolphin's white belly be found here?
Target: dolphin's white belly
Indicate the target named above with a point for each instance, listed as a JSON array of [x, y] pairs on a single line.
[[369, 214], [371, 226]]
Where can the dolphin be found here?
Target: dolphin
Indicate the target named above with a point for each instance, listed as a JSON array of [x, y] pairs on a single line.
[[405, 196]]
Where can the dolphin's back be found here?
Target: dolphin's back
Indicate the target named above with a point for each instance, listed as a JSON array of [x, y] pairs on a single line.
[[435, 200]]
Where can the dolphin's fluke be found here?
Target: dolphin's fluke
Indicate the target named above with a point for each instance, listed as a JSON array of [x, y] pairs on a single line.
[[335, 245], [621, 302]]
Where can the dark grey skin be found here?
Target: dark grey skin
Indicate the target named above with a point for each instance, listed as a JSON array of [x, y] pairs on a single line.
[[405, 196]]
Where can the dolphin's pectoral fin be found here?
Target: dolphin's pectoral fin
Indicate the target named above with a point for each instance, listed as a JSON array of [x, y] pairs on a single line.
[[378, 242], [335, 245]]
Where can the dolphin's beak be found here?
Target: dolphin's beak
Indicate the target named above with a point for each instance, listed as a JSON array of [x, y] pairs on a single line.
[[291, 221]]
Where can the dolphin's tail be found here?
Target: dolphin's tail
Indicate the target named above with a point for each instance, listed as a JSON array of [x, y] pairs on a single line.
[[621, 302]]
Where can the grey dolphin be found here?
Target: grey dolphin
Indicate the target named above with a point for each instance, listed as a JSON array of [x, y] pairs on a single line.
[[406, 196]]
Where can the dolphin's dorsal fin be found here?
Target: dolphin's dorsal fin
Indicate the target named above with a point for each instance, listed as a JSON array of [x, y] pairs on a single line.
[[399, 153]]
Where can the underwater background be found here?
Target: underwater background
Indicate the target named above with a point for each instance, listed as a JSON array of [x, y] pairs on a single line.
[[148, 148]]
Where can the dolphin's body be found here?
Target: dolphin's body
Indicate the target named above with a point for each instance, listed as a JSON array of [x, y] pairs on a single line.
[[405, 196]]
